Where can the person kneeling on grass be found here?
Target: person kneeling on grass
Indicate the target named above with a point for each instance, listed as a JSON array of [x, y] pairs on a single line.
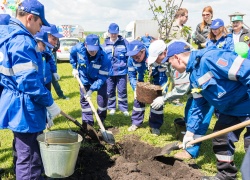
[[220, 78], [137, 67], [91, 64]]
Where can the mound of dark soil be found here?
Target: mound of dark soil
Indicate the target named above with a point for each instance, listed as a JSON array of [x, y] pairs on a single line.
[[132, 160]]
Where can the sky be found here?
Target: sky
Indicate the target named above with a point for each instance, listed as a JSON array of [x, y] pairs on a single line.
[[96, 15]]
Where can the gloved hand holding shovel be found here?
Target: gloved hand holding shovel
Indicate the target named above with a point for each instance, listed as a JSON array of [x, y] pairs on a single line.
[[188, 142], [189, 136]]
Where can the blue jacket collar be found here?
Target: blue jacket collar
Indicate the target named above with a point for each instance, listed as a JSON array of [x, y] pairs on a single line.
[[20, 24], [195, 57], [120, 38]]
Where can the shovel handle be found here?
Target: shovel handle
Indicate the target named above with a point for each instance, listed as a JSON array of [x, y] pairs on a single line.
[[91, 105], [71, 118], [219, 133]]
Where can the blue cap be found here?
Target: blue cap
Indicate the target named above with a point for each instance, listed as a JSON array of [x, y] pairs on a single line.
[[34, 7], [217, 23], [43, 36], [92, 42], [177, 47], [113, 28], [52, 30], [4, 19], [134, 47]]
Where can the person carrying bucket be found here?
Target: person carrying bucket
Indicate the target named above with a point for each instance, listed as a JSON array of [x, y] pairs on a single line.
[[91, 64], [24, 100]]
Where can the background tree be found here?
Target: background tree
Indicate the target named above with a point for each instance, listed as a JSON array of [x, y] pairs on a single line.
[[164, 15]]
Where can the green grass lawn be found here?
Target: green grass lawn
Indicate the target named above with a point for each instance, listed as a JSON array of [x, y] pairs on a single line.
[[206, 160]]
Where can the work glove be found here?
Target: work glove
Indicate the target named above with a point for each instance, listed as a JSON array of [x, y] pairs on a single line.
[[75, 73], [157, 102], [189, 136], [135, 96], [56, 76], [88, 94], [49, 122], [53, 110]]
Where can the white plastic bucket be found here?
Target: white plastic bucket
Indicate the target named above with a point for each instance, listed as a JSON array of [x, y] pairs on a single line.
[[59, 151]]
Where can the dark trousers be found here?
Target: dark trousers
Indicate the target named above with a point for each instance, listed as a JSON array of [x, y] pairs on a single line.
[[155, 117], [121, 83], [223, 146], [48, 86], [27, 158], [57, 87], [102, 99]]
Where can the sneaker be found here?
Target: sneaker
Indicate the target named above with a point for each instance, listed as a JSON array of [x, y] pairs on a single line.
[[155, 131], [132, 127], [209, 178], [126, 113], [112, 112], [183, 155]]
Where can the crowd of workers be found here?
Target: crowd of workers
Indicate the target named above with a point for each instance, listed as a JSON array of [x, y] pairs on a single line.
[[215, 78]]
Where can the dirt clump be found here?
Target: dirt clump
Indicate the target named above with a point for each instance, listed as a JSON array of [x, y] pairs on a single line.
[[147, 92], [130, 159]]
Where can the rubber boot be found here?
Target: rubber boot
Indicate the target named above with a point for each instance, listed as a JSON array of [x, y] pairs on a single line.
[[180, 128]]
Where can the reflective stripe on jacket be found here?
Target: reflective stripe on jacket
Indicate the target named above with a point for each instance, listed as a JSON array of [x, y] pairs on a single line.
[[24, 97], [117, 55], [223, 78], [95, 72]]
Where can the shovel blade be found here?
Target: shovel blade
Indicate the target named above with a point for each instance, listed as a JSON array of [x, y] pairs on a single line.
[[108, 137], [168, 149]]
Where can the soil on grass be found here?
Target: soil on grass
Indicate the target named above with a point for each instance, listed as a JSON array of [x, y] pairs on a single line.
[[129, 159]]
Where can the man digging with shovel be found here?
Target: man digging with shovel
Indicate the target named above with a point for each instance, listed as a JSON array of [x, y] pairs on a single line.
[[91, 64], [181, 87], [220, 78]]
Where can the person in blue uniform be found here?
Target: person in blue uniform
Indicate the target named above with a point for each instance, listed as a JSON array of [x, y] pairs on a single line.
[[147, 39], [137, 67], [219, 78], [181, 87], [50, 67], [219, 36], [116, 47], [24, 100], [91, 64]]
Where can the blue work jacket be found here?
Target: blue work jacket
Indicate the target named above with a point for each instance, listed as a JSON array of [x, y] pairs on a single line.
[[24, 98], [225, 42], [117, 55], [94, 72], [222, 79], [137, 71]]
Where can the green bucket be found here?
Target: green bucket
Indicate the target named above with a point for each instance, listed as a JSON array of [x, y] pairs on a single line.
[[59, 151]]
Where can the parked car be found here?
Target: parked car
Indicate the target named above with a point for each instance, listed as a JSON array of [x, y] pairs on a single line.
[[66, 43]]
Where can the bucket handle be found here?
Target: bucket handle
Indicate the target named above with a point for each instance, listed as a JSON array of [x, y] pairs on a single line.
[[45, 137]]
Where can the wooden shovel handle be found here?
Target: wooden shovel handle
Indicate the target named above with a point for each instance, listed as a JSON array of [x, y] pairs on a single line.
[[219, 133], [91, 104]]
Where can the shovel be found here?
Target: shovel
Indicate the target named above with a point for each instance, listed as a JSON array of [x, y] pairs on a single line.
[[175, 146], [85, 127], [107, 135]]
